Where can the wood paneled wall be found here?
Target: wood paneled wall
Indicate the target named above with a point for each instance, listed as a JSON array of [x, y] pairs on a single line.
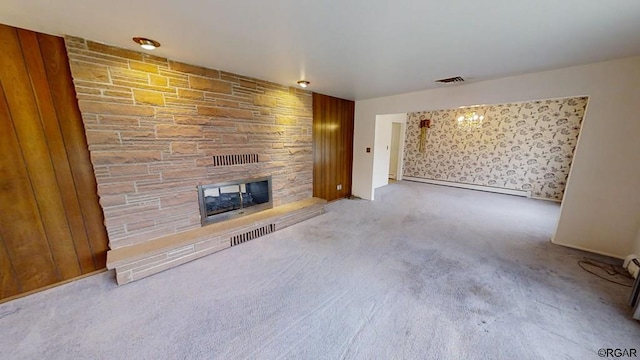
[[51, 224], [332, 146]]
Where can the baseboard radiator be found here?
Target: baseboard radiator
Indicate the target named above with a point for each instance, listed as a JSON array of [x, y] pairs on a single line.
[[498, 190]]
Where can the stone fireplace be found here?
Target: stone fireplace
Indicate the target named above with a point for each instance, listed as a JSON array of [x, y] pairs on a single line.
[[160, 132], [228, 200]]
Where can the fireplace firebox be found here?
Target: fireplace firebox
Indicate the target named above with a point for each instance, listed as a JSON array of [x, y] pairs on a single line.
[[228, 200]]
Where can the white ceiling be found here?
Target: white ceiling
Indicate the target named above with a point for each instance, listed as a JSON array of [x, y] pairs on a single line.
[[354, 49]]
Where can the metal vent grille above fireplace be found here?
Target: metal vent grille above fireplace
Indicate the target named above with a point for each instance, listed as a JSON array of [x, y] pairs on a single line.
[[226, 160], [250, 235]]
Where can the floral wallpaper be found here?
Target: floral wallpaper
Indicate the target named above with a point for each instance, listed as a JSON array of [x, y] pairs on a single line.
[[522, 146]]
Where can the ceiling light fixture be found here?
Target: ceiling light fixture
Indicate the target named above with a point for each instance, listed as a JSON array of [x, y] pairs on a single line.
[[303, 83], [470, 121], [146, 44]]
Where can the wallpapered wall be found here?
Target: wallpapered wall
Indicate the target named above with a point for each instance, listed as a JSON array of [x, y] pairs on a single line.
[[522, 146]]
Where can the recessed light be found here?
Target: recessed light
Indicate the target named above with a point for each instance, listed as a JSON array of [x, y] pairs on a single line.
[[303, 83], [146, 44]]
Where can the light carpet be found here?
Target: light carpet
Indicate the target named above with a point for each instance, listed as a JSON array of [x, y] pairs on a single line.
[[423, 272]]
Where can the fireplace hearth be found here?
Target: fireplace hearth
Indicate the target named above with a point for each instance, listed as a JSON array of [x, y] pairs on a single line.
[[228, 200]]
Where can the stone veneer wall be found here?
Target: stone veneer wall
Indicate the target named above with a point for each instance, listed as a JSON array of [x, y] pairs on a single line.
[[153, 125]]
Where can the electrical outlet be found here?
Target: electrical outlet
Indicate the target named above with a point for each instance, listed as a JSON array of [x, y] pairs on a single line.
[[339, 187]]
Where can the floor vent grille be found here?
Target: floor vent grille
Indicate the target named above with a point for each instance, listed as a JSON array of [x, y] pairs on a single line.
[[225, 160], [250, 235]]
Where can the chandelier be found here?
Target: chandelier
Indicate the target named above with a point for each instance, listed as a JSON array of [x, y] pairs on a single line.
[[470, 121]]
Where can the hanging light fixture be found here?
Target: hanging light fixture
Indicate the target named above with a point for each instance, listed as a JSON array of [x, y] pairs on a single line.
[[470, 121]]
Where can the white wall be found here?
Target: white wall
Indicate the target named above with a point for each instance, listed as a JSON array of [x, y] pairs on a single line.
[[600, 211], [637, 245], [382, 148]]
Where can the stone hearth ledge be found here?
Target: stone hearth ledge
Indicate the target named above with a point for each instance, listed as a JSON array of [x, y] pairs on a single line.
[[151, 257]]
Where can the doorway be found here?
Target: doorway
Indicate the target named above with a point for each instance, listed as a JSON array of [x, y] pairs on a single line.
[[394, 161], [382, 148]]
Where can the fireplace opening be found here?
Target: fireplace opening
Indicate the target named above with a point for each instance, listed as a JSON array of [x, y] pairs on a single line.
[[232, 199]]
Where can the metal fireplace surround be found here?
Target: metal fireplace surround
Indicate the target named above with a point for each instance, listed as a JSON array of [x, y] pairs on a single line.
[[228, 200]]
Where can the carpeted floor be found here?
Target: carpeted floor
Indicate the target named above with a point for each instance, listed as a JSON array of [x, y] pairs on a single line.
[[423, 272]]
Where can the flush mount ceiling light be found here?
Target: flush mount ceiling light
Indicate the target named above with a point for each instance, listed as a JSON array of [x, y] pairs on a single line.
[[146, 44], [303, 83]]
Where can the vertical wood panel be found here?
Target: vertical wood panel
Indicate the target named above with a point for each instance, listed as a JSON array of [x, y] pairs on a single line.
[[77, 183], [331, 169], [75, 141], [28, 127], [333, 146], [336, 147], [318, 147], [8, 283], [347, 140], [22, 231], [48, 197], [52, 164]]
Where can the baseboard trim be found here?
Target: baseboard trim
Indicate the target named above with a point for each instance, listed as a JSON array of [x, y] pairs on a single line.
[[51, 286], [553, 241], [545, 199], [522, 193]]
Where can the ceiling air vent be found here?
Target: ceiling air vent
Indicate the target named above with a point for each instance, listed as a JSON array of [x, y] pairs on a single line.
[[451, 80]]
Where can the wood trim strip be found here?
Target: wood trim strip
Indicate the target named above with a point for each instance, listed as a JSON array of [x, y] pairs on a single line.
[[51, 286]]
